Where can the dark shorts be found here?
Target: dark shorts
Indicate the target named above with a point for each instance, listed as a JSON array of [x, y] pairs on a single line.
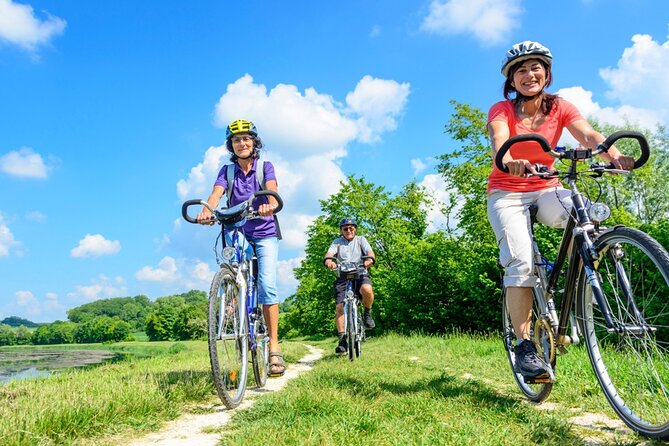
[[340, 288]]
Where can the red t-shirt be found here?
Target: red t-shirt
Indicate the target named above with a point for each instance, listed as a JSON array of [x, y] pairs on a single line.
[[562, 115]]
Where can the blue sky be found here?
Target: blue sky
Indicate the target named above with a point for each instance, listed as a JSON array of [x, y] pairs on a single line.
[[113, 113]]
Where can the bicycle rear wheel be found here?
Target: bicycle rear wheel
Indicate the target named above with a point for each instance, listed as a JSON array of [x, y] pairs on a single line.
[[542, 336], [359, 332], [631, 361], [260, 355], [228, 340]]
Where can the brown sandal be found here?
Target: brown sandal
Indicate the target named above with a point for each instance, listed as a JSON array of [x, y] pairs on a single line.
[[276, 368]]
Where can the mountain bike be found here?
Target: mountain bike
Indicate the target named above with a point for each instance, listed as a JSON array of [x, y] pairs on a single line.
[[615, 295], [235, 321], [354, 328]]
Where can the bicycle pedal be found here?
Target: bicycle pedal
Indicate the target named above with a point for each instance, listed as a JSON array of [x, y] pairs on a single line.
[[541, 379]]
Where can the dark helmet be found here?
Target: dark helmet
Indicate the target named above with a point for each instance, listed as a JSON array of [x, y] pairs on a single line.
[[348, 221]]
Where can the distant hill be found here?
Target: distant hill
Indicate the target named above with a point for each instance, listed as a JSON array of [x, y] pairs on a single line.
[[15, 321]]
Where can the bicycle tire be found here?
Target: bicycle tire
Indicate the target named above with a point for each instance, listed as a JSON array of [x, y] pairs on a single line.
[[359, 333], [351, 329], [543, 339], [632, 368], [228, 352], [260, 355]]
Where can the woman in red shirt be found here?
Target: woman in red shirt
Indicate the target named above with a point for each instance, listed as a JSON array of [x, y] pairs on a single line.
[[528, 108]]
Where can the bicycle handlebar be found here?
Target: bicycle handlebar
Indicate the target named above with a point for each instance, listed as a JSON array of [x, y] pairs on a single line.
[[604, 146], [246, 210]]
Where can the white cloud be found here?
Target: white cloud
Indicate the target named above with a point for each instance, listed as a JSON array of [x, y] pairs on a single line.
[[489, 21], [286, 281], [102, 287], [306, 135], [166, 271], [641, 78], [436, 187], [375, 32], [378, 102], [7, 240], [20, 26], [582, 99], [95, 245], [418, 166], [25, 298], [23, 163], [36, 216]]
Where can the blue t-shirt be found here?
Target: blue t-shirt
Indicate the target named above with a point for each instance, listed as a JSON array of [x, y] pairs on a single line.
[[242, 188]]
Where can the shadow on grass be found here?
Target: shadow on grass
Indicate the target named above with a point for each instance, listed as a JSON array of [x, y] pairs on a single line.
[[542, 428]]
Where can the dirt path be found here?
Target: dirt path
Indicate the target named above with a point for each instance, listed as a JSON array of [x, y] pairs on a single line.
[[190, 430]]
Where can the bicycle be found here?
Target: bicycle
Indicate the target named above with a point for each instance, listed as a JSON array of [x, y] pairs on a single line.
[[354, 328], [235, 319], [617, 281]]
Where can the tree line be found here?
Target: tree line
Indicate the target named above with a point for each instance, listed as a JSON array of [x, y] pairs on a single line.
[[175, 317]]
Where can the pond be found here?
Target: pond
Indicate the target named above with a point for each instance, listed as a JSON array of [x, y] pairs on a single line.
[[33, 363]]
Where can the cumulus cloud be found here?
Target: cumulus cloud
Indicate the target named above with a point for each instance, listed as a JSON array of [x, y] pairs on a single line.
[[377, 102], [101, 287], [24, 163], [7, 240], [36, 216], [95, 245], [20, 26], [306, 135], [436, 187], [25, 298], [641, 78], [418, 166], [489, 21], [286, 281], [166, 271]]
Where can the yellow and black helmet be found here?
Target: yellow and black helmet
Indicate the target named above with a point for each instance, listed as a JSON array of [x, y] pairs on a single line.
[[240, 126]]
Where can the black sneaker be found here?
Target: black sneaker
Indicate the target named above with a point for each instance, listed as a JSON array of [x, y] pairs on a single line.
[[528, 363], [342, 347], [367, 319]]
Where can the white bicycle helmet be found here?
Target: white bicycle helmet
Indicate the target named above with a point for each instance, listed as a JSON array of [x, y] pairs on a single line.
[[523, 51]]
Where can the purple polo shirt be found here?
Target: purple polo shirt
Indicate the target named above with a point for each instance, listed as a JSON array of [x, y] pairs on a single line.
[[242, 188]]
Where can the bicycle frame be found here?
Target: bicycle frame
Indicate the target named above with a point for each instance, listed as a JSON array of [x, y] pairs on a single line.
[[247, 271]]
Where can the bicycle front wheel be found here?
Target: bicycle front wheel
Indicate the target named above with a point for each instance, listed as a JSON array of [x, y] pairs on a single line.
[[228, 340], [260, 354], [630, 358], [543, 339], [351, 328]]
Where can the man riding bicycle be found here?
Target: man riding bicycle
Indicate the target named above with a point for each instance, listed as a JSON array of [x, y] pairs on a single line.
[[349, 249]]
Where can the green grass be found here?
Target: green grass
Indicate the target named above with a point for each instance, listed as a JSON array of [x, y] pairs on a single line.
[[98, 403], [423, 390], [417, 390]]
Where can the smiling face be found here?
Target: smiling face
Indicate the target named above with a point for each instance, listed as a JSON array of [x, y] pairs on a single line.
[[242, 145], [529, 78], [348, 231]]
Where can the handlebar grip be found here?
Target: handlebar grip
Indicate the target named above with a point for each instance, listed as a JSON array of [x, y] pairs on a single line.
[[184, 210], [643, 144], [516, 139], [330, 258], [264, 192]]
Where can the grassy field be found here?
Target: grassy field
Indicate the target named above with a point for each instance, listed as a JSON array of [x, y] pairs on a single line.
[[417, 390]]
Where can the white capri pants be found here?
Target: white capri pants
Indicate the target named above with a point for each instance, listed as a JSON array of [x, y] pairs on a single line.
[[509, 215]]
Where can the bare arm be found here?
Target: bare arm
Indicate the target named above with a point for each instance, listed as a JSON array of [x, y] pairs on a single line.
[[589, 137], [370, 262]]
